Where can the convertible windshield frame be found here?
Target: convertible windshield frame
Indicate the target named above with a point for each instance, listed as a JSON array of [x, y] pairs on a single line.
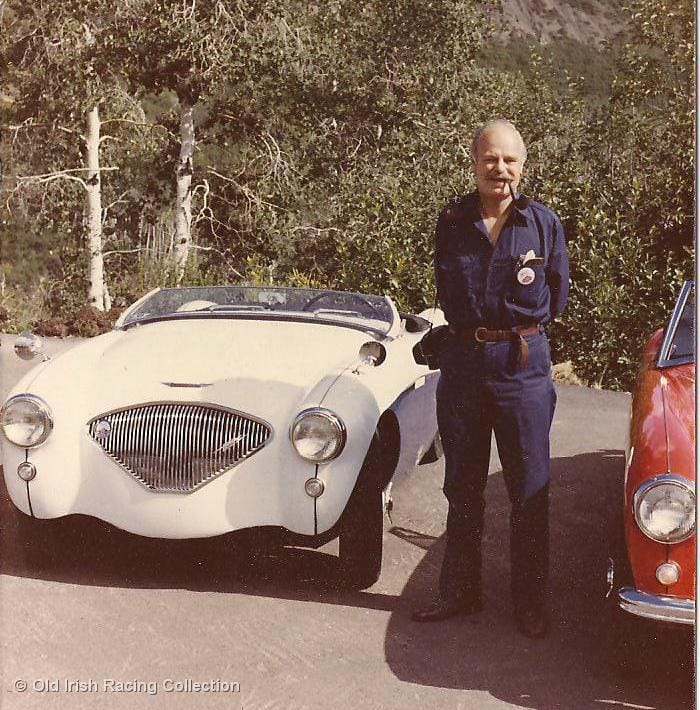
[[290, 308], [666, 357]]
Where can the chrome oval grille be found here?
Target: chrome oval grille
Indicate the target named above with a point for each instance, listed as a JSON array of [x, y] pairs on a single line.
[[175, 446]]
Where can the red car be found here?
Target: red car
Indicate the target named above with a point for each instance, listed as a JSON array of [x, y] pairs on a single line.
[[659, 496]]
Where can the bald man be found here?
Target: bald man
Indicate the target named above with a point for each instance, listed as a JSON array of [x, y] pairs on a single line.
[[502, 274]]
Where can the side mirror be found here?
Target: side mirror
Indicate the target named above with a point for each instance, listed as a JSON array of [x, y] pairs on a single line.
[[29, 346], [373, 353]]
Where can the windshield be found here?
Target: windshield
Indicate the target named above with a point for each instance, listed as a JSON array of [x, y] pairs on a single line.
[[683, 340], [267, 303], [678, 346]]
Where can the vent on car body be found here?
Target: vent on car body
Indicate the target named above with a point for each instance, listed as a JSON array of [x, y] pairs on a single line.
[[178, 447]]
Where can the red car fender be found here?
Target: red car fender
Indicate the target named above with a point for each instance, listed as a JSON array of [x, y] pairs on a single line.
[[662, 440]]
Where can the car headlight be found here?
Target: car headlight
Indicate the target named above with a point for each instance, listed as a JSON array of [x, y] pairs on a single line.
[[664, 508], [318, 435], [26, 420]]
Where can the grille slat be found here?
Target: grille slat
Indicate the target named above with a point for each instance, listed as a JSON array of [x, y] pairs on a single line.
[[177, 430], [178, 447]]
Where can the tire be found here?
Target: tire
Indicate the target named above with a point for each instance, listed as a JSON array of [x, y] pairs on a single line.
[[362, 526], [361, 540]]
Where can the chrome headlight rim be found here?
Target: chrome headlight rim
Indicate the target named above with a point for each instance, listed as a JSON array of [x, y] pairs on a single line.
[[43, 409], [336, 422], [664, 479]]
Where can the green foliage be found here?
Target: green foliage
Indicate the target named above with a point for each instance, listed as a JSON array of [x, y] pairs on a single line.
[[634, 224], [591, 66], [329, 137], [21, 306]]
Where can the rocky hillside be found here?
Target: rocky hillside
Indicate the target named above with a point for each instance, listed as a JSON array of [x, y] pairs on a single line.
[[585, 21]]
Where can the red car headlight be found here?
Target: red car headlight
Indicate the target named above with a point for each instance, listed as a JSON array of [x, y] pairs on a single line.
[[664, 508]]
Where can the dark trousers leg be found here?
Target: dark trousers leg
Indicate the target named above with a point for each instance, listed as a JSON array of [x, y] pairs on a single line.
[[466, 440], [522, 421], [529, 551]]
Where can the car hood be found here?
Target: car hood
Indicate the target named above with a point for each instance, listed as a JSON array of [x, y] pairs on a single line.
[[662, 429], [212, 350], [253, 366]]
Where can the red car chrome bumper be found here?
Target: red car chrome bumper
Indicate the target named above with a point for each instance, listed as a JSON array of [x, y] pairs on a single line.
[[651, 606]]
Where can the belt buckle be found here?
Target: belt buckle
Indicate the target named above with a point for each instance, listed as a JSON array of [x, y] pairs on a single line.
[[480, 334]]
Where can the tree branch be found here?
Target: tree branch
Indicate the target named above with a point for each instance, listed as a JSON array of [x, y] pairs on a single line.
[[252, 197], [222, 255], [318, 230], [118, 201], [39, 179], [136, 123], [122, 251], [109, 138], [59, 173]]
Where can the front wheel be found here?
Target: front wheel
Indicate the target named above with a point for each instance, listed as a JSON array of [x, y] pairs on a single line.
[[361, 540]]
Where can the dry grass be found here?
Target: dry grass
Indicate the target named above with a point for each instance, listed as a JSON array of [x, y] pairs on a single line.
[[563, 373], [20, 309]]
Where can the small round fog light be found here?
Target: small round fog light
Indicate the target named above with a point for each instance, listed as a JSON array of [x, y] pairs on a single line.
[[26, 471], [314, 487], [668, 573]]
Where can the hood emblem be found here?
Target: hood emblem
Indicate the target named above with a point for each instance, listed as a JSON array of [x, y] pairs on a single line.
[[102, 429], [188, 384]]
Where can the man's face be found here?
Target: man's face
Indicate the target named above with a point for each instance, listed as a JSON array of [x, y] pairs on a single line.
[[499, 160]]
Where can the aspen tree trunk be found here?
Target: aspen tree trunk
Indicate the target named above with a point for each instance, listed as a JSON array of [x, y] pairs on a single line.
[[183, 213], [96, 292]]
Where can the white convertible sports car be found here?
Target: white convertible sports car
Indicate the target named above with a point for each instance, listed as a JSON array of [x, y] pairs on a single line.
[[213, 409]]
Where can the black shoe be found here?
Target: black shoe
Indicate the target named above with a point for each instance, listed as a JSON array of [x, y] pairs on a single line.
[[441, 610], [532, 623]]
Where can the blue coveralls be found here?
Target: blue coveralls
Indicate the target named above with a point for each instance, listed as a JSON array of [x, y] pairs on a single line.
[[482, 388]]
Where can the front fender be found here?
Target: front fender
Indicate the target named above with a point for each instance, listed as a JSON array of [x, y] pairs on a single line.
[[359, 410]]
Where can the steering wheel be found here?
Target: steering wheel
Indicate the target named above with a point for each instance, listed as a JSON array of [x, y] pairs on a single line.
[[357, 297]]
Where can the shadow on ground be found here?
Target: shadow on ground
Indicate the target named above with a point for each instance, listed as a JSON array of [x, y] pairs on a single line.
[[592, 659], [595, 657]]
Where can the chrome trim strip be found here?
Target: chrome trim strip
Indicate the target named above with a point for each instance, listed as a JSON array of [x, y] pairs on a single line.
[[658, 608], [673, 479], [664, 352], [177, 447], [663, 382], [187, 384]]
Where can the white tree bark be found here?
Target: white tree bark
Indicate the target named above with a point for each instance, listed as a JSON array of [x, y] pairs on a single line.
[[183, 212], [96, 291]]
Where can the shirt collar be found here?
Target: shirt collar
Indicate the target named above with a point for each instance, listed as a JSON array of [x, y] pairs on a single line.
[[520, 214]]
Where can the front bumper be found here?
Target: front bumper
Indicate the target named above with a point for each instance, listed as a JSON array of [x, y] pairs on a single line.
[[650, 606]]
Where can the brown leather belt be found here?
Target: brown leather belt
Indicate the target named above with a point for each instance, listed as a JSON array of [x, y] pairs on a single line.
[[484, 335], [515, 335]]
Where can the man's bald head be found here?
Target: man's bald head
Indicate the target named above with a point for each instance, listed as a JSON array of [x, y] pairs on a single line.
[[499, 124]]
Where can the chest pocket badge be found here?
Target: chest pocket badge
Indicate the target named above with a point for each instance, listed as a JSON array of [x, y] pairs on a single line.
[[525, 275], [525, 272]]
